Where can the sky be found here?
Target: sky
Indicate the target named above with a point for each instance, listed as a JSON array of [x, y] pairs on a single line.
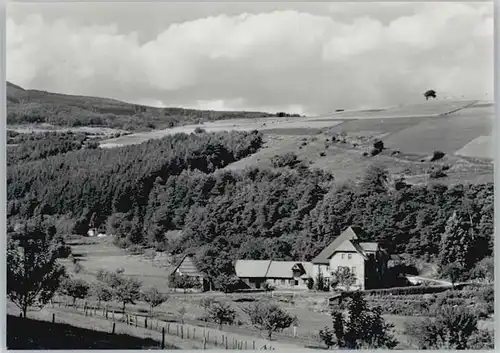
[[307, 58]]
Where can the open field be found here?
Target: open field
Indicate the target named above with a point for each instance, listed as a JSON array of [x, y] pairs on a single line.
[[100, 253], [447, 134], [425, 109], [261, 124], [480, 147], [416, 133]]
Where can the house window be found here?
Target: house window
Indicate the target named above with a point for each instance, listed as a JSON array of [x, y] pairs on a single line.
[[353, 269], [291, 281], [343, 256], [296, 282], [349, 256], [282, 281]]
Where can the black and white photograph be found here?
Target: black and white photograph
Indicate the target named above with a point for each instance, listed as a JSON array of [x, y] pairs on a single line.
[[249, 175]]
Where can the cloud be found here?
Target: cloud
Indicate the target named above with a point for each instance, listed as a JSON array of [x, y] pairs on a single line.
[[279, 60]]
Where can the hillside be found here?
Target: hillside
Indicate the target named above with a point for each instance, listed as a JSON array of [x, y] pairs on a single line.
[[26, 106]]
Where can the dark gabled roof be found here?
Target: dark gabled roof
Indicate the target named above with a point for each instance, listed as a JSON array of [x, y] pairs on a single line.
[[351, 233], [187, 267]]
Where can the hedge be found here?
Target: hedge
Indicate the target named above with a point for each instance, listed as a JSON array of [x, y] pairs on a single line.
[[406, 290]]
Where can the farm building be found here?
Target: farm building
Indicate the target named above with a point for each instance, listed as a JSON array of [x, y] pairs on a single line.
[[279, 274], [187, 267], [367, 261]]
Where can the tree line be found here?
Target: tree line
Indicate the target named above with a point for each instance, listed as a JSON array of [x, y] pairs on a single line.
[[289, 212], [26, 147]]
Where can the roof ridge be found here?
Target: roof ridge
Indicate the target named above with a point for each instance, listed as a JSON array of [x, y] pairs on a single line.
[[268, 267]]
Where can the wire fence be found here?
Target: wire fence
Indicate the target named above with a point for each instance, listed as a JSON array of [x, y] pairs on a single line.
[[207, 336]]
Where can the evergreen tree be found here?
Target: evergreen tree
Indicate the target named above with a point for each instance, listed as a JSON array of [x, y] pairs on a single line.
[[457, 243]]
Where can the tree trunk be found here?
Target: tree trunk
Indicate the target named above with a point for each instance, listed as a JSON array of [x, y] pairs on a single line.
[[269, 334], [123, 307], [25, 310]]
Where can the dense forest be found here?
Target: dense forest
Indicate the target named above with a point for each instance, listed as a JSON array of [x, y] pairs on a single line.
[[25, 147], [139, 193], [34, 106]]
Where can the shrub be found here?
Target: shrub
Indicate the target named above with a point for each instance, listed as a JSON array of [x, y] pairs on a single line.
[[322, 154], [374, 151], [286, 160], [406, 290], [437, 174], [481, 339], [437, 155], [199, 130], [378, 145]]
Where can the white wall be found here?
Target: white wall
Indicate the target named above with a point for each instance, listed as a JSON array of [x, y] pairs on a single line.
[[350, 259]]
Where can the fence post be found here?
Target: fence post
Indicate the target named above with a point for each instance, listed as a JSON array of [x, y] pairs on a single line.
[[114, 325], [194, 333], [136, 321], [253, 345], [188, 333], [53, 317], [146, 322], [245, 345], [177, 327], [163, 338], [168, 328], [204, 343], [113, 312], [295, 331], [226, 342]]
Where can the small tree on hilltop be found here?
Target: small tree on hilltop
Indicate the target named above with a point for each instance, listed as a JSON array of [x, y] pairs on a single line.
[[363, 327], [75, 288], [343, 277], [221, 313], [270, 317], [430, 94], [33, 274], [154, 298]]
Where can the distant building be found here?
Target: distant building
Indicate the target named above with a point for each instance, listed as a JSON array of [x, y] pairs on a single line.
[[187, 267], [366, 260], [279, 274]]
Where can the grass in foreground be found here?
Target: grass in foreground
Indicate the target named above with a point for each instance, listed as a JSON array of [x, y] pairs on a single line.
[[31, 334]]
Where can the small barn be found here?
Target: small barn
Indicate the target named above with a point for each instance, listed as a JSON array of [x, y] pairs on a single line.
[[187, 267], [279, 274], [289, 274], [252, 272]]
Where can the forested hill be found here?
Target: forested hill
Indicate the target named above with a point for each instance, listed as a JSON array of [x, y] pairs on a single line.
[[139, 193], [26, 106]]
